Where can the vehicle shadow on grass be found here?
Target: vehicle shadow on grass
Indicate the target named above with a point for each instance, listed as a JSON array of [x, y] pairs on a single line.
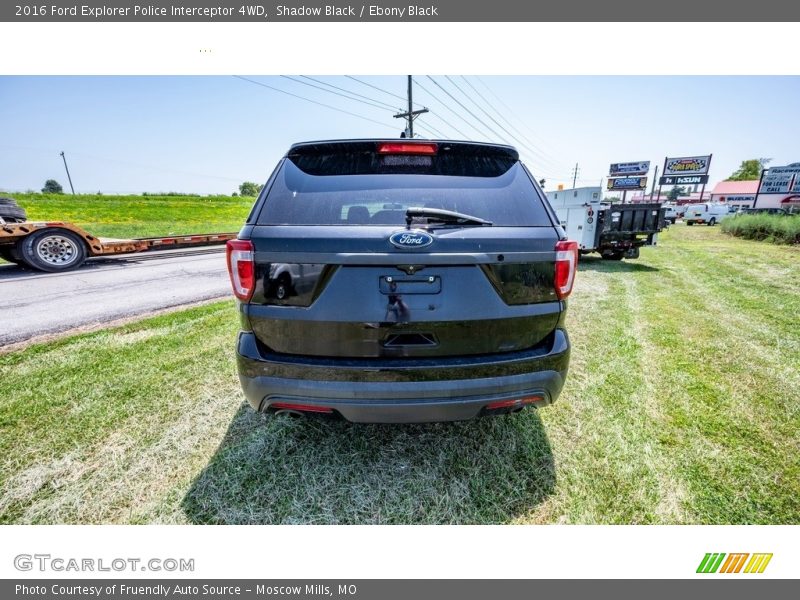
[[595, 263], [283, 470]]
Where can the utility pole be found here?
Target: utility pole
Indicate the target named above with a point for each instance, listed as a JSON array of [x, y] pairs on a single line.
[[411, 114], [574, 175], [758, 189], [653, 187], [67, 169]]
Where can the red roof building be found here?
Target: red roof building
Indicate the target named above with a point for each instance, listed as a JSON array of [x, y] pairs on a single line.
[[740, 194]]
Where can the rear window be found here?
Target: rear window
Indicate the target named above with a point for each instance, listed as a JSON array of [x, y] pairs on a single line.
[[366, 189]]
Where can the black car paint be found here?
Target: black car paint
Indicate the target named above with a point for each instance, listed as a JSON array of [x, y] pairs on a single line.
[[476, 305]]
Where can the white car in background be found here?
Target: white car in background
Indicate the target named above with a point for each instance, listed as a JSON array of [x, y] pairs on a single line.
[[674, 212], [706, 213]]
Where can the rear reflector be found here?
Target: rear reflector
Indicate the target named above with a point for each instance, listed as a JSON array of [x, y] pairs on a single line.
[[513, 403], [566, 264], [301, 407], [241, 268], [407, 148]]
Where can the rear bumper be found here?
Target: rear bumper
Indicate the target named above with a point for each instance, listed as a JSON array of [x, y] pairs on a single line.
[[402, 390]]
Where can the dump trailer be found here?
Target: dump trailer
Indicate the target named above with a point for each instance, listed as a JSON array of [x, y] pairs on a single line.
[[615, 231], [58, 246]]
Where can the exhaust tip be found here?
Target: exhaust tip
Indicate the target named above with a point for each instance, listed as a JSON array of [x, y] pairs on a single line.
[[288, 412]]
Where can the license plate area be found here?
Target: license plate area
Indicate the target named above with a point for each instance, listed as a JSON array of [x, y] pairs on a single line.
[[391, 284]]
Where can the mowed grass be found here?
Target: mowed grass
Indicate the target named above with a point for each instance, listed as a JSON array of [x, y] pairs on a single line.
[[681, 407], [139, 216]]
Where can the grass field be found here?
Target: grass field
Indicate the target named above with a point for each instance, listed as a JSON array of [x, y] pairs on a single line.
[[778, 229], [139, 216], [681, 407]]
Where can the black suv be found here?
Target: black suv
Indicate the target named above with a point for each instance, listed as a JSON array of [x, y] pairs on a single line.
[[401, 281]]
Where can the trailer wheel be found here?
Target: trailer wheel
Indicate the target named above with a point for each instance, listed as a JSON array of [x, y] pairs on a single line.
[[712, 222], [690, 223], [53, 250]]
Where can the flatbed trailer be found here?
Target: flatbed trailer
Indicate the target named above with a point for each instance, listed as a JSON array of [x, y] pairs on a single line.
[[54, 246]]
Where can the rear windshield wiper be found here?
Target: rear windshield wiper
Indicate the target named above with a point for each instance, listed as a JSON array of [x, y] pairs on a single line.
[[443, 216]]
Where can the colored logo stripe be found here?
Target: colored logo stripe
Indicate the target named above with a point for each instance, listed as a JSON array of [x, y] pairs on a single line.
[[733, 564], [710, 562], [758, 563]]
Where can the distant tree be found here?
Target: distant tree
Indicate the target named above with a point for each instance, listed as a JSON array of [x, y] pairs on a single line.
[[612, 199], [675, 193], [51, 186], [235, 194], [749, 169], [248, 188]]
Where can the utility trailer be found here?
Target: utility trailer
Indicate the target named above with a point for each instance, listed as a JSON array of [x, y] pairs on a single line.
[[57, 246], [615, 231]]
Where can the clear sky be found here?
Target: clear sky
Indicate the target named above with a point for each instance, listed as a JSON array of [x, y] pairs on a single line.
[[208, 134]]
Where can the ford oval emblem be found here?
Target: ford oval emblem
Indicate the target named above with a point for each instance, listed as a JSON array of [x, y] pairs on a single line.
[[410, 239]]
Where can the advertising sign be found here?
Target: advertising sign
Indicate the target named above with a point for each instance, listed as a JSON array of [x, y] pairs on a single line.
[[787, 170], [687, 165], [629, 168], [778, 180], [776, 184], [684, 180], [622, 184]]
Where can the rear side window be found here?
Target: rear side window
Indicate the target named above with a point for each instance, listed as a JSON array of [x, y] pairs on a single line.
[[365, 189]]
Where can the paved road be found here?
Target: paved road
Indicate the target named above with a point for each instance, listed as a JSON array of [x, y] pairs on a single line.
[[104, 289]]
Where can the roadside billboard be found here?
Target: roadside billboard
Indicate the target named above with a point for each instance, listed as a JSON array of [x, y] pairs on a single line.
[[778, 180], [687, 165], [628, 169], [624, 184], [683, 180]]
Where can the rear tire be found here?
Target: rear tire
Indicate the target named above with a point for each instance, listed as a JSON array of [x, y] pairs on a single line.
[[283, 288], [53, 250]]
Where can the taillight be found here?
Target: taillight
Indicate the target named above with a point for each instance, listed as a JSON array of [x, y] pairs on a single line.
[[241, 268], [408, 148], [566, 264]]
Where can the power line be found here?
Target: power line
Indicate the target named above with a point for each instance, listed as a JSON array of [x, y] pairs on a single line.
[[346, 112], [510, 110], [457, 101], [380, 89], [464, 135], [432, 130], [523, 142], [332, 92], [336, 87]]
